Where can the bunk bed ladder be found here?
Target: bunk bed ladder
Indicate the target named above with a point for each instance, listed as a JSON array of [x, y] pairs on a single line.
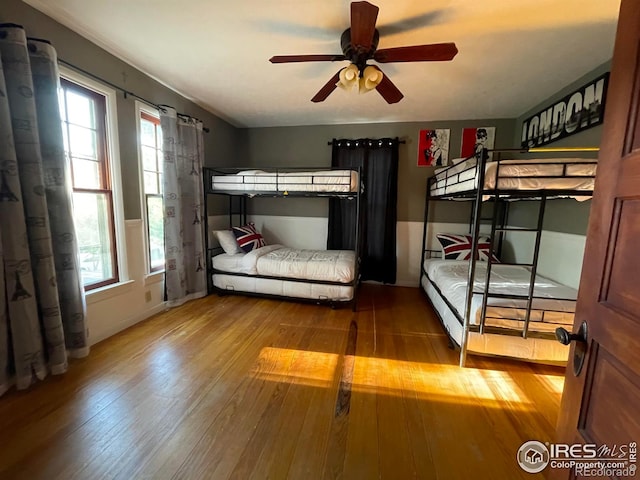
[[475, 231], [485, 293], [534, 266]]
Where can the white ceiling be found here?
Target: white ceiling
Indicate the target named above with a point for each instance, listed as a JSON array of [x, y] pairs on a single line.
[[513, 53]]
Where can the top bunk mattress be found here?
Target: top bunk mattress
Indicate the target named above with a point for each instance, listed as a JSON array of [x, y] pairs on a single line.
[[553, 306], [258, 181], [279, 261], [533, 174]]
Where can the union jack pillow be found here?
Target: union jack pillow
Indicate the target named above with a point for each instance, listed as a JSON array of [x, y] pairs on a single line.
[[248, 237], [458, 247], [484, 249]]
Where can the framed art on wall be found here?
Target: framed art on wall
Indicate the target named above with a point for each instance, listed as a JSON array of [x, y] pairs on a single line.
[[474, 140], [433, 148], [579, 110]]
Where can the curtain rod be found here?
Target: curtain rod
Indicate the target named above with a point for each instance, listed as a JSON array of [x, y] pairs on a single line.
[[124, 91], [399, 141]]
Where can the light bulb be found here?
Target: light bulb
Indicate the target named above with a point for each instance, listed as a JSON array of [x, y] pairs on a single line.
[[348, 77], [371, 78]]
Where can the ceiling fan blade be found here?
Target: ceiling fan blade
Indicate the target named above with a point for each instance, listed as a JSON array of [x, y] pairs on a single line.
[[306, 58], [388, 90], [412, 23], [363, 24], [438, 52], [325, 91]]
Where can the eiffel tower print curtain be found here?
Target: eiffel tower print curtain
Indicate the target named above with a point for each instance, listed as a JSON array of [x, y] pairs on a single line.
[[183, 148], [42, 308]]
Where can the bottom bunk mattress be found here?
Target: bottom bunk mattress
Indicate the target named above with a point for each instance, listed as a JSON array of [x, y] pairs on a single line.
[[283, 288], [336, 268], [554, 304], [548, 313]]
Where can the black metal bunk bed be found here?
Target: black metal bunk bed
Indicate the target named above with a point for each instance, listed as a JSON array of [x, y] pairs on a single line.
[[499, 185], [238, 184]]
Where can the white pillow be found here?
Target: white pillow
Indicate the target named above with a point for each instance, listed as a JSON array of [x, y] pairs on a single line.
[[227, 241]]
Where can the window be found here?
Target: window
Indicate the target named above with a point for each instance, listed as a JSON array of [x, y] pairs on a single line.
[[84, 126], [151, 167]]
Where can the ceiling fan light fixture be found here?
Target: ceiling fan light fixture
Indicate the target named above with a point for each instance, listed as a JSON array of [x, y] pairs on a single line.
[[349, 77], [359, 44], [371, 78]]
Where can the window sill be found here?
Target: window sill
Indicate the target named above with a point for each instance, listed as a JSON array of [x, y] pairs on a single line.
[[155, 277], [109, 291]]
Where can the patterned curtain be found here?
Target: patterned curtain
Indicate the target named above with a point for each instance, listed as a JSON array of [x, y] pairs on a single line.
[[42, 308], [185, 270]]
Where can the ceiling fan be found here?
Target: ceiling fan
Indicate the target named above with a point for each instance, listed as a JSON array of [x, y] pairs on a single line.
[[359, 44]]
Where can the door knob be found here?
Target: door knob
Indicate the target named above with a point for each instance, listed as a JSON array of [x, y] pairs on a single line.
[[565, 338], [580, 351]]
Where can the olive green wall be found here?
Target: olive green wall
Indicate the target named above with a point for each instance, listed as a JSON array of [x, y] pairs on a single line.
[[565, 215], [585, 138], [220, 143], [308, 146], [227, 145]]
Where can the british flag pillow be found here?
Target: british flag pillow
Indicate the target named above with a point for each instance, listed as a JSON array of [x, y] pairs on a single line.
[[484, 250], [458, 247], [248, 237]]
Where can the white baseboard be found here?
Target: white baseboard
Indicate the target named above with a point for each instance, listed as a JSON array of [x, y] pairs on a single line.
[[126, 323]]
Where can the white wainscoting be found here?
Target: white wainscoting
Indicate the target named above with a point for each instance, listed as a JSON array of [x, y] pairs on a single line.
[[294, 232], [113, 309], [410, 246], [560, 256], [560, 253], [311, 233]]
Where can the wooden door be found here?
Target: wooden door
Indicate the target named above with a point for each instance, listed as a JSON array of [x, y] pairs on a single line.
[[601, 405]]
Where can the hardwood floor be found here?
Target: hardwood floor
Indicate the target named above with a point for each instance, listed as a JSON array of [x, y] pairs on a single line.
[[237, 387]]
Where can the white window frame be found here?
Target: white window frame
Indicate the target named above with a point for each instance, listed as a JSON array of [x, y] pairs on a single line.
[[113, 145], [158, 275]]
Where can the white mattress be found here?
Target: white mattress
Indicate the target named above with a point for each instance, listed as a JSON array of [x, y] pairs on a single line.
[[451, 277], [231, 263], [329, 181], [279, 261], [534, 349], [287, 288], [517, 175]]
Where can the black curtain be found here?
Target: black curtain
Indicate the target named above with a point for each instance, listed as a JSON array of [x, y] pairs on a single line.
[[379, 162]]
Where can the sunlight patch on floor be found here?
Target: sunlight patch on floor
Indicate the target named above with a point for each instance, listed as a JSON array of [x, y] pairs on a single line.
[[298, 367], [554, 383], [381, 376]]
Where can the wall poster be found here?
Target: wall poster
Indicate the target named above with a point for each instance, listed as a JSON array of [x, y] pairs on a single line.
[[474, 140], [433, 148]]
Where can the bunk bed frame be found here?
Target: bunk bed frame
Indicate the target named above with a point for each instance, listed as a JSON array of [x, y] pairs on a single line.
[[299, 183], [500, 198]]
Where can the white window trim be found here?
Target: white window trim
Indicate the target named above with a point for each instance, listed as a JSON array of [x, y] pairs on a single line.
[[157, 276], [114, 166]]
